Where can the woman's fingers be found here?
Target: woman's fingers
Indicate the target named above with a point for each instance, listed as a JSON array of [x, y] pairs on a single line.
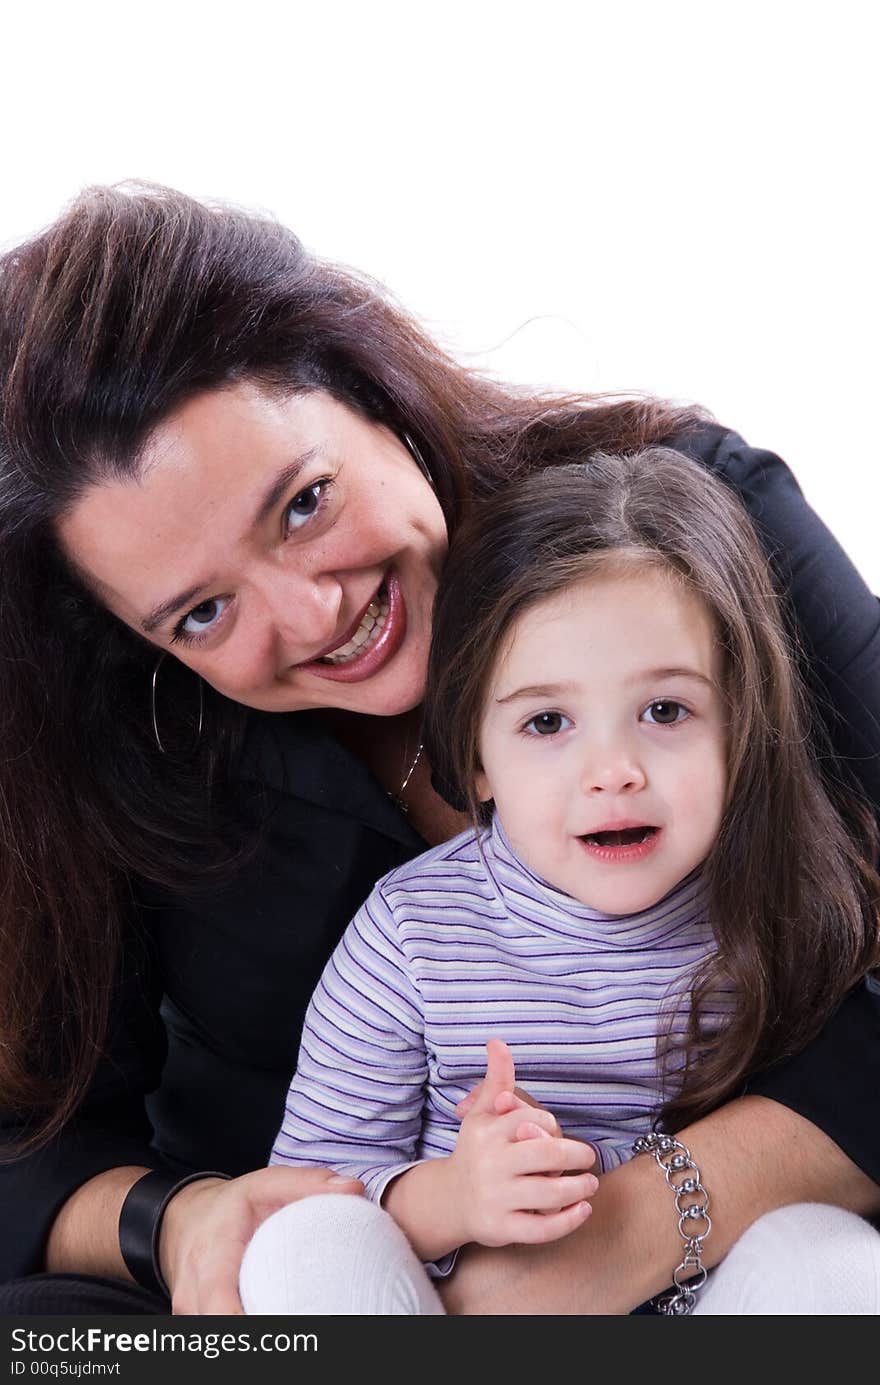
[[273, 1187], [207, 1226]]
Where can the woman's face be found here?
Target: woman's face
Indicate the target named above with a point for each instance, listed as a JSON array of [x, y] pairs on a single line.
[[284, 548]]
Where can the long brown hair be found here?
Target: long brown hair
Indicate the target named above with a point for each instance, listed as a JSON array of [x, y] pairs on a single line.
[[134, 301], [793, 893]]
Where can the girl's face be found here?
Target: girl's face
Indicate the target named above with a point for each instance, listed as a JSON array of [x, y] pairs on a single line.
[[284, 548], [603, 739]]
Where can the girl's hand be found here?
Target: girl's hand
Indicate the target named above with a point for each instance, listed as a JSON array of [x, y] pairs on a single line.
[[510, 1163], [500, 1079], [208, 1224]]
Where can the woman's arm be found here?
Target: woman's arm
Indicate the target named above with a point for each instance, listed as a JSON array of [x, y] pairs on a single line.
[[236, 964], [204, 1231], [836, 615], [754, 1155], [109, 1137], [83, 1238]]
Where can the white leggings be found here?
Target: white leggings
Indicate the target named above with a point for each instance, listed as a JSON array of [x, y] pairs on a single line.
[[338, 1255]]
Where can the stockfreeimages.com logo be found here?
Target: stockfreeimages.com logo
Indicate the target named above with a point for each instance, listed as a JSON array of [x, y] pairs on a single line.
[[96, 1340]]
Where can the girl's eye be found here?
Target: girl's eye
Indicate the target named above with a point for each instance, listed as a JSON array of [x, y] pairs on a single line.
[[305, 505], [665, 712], [546, 724], [200, 620]]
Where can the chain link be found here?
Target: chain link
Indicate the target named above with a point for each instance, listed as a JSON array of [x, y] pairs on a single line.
[[690, 1275]]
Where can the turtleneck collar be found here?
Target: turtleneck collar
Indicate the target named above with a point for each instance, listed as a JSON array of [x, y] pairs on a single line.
[[531, 899]]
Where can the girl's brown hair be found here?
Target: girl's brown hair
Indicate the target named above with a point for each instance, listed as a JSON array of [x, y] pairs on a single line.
[[133, 302], [793, 893]]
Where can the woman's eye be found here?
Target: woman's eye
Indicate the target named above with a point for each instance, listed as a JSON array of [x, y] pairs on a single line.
[[305, 505], [201, 619], [665, 712], [546, 724]]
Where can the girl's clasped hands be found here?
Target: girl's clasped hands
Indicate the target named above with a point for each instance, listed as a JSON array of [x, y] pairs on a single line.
[[510, 1162]]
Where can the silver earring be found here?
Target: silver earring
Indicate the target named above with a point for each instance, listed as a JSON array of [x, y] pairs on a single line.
[[153, 707], [419, 460]]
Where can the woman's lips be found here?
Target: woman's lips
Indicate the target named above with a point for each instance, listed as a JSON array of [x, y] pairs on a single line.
[[375, 655]]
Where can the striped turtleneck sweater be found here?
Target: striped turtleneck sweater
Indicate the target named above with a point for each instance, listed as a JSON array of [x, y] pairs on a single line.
[[464, 944]]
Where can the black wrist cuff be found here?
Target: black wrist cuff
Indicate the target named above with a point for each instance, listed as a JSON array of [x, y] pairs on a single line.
[[140, 1220]]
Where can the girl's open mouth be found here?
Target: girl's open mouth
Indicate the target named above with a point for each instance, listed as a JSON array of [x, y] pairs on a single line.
[[376, 638], [623, 845]]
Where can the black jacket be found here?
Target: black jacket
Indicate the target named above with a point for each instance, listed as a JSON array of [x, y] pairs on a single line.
[[202, 1084]]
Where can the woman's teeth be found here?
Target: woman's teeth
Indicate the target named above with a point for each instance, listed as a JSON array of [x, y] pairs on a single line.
[[371, 626]]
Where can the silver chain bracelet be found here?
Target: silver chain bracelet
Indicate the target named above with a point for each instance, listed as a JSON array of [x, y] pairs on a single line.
[[688, 1278]]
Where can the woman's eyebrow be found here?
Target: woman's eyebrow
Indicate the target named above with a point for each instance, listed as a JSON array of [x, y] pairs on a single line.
[[279, 485], [159, 614], [273, 493]]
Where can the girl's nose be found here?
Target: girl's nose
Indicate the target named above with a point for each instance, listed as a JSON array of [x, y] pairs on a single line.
[[613, 772]]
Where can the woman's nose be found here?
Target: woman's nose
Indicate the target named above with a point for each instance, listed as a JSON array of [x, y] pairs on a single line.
[[305, 611]]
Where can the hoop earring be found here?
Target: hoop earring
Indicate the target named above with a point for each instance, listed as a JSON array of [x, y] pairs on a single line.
[[153, 682], [419, 460]]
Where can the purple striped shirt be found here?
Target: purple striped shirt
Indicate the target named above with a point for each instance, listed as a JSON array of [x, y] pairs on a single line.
[[465, 944]]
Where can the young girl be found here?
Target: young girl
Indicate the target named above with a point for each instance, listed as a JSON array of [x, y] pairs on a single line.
[[659, 896]]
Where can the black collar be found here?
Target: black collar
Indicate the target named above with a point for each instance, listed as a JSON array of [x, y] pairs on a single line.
[[294, 753]]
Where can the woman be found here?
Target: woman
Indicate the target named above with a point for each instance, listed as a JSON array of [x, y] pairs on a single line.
[[229, 474]]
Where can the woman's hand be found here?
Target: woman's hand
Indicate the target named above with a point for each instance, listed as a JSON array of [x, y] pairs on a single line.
[[208, 1224]]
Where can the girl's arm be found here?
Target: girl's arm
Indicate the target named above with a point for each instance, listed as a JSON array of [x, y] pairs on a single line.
[[754, 1155], [355, 1102]]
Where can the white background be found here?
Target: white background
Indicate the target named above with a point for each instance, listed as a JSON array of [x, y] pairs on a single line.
[[671, 196]]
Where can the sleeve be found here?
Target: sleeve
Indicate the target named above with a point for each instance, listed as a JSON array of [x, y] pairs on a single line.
[[835, 1081], [355, 1102], [110, 1130]]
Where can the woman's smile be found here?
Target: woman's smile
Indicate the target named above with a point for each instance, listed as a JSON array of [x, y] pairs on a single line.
[[375, 637], [285, 584]]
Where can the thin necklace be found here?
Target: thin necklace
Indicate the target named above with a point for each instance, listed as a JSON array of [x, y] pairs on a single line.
[[398, 797]]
